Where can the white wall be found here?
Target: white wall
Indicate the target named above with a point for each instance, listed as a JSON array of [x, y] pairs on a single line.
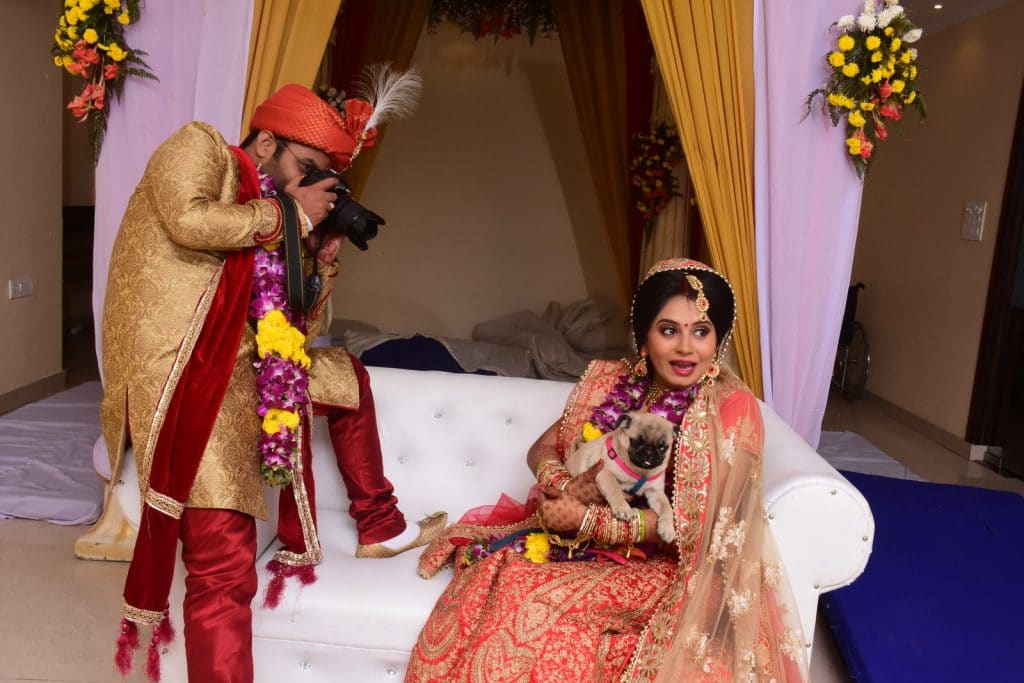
[[927, 288], [487, 194], [30, 195]]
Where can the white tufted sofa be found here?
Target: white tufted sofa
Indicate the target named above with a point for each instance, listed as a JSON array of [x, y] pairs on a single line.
[[456, 441]]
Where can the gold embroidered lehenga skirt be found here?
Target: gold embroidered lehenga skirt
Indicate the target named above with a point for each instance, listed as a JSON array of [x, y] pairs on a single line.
[[508, 619]]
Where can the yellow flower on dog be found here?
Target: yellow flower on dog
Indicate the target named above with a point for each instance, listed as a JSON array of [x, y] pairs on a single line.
[[590, 432], [537, 548]]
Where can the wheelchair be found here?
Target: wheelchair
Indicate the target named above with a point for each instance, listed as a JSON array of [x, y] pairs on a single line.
[[853, 357]]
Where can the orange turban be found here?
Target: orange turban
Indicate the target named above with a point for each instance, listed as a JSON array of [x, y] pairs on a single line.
[[297, 113]]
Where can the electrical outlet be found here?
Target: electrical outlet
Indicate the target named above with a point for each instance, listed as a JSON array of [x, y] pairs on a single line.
[[974, 221], [19, 288]]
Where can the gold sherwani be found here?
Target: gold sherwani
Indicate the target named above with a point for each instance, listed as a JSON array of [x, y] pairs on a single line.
[[165, 267]]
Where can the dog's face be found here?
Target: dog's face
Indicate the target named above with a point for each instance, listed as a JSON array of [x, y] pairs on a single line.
[[646, 438]]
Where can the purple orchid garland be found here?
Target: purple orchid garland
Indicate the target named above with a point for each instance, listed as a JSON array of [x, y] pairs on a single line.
[[628, 395], [281, 383]]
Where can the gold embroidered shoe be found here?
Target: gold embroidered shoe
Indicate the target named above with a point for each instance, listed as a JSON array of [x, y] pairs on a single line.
[[431, 527]]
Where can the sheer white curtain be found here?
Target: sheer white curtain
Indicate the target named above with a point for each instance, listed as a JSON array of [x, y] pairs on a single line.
[[199, 49], [806, 208]]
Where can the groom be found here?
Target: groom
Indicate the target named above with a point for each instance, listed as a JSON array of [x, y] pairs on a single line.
[[180, 343]]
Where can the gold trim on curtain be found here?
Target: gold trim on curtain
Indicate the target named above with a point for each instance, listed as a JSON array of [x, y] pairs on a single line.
[[394, 33], [595, 57], [705, 54], [287, 45]]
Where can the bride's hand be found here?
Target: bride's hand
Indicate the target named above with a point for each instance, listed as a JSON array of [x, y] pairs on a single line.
[[560, 512], [583, 487]]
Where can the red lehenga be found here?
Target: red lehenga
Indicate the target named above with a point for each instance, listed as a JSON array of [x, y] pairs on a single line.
[[713, 608]]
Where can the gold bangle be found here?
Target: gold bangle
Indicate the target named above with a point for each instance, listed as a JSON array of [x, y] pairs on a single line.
[[586, 531]]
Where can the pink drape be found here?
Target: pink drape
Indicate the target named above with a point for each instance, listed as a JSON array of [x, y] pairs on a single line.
[[199, 49], [806, 207]]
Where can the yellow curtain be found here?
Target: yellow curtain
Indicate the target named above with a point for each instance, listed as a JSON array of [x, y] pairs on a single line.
[[288, 40], [594, 50], [705, 53], [394, 32]]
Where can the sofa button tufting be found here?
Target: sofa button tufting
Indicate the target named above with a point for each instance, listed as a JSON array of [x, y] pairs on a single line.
[[304, 666], [833, 492], [401, 459], [508, 420], [438, 415], [470, 463], [392, 671]]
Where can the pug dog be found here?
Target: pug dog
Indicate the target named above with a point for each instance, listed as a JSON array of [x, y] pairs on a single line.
[[635, 456]]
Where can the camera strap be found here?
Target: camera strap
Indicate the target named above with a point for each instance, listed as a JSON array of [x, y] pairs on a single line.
[[292, 253]]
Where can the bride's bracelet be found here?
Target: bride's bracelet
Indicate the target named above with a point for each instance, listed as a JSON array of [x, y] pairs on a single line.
[[604, 528], [586, 531], [554, 474]]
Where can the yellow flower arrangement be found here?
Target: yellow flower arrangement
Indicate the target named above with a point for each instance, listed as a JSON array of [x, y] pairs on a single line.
[[871, 77], [89, 42]]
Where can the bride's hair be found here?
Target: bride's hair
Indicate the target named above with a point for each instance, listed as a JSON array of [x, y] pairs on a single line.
[[660, 287]]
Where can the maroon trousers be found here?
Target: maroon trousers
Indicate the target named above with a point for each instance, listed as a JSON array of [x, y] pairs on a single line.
[[219, 546]]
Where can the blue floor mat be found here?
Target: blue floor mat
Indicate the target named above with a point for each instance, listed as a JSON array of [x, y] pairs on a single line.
[[942, 598]]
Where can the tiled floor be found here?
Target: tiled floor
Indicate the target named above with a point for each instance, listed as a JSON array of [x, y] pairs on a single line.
[[58, 615]]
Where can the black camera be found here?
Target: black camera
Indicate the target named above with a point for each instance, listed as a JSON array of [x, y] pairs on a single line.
[[348, 217]]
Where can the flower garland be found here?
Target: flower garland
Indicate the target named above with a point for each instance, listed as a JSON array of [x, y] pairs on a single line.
[[89, 42], [498, 18], [629, 394], [873, 77], [657, 153], [282, 377]]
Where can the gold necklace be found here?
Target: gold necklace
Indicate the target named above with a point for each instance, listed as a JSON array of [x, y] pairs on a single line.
[[653, 395]]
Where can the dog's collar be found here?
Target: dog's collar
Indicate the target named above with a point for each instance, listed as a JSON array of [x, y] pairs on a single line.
[[641, 479]]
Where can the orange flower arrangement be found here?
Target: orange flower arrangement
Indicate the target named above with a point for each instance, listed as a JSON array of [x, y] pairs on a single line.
[[656, 153], [89, 42]]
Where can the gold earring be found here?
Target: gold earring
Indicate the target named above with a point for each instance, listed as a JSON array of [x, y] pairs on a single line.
[[713, 371], [640, 368]]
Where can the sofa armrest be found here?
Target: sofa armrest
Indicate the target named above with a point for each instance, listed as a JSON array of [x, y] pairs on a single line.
[[821, 523]]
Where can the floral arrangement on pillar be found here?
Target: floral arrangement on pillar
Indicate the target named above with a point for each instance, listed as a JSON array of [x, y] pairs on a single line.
[[872, 77], [498, 18], [656, 153], [89, 42]]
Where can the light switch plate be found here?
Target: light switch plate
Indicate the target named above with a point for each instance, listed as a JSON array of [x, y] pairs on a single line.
[[19, 288], [974, 221]]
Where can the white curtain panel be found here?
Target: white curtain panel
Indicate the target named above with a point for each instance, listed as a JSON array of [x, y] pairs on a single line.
[[806, 209], [199, 49]]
